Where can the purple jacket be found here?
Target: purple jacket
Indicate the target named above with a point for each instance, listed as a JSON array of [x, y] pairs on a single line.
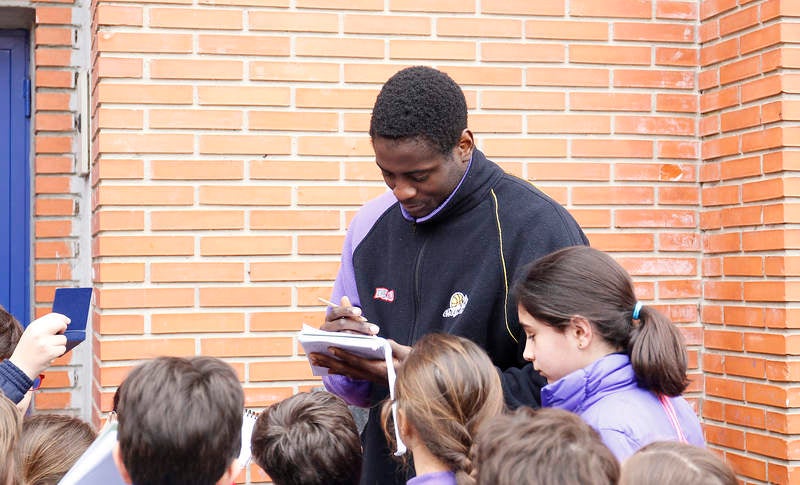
[[435, 478], [605, 394]]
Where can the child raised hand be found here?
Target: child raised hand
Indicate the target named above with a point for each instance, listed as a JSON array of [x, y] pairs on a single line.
[[619, 364], [41, 343]]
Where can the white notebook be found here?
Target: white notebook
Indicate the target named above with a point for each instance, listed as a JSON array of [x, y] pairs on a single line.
[[367, 346]]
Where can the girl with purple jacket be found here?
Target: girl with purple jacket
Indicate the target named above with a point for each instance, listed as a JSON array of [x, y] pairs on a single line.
[[618, 364]]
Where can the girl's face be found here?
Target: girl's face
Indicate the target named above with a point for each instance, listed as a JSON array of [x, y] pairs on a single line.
[[553, 353]]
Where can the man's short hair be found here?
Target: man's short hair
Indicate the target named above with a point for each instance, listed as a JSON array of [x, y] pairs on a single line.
[[308, 439], [180, 421], [10, 333], [548, 446], [420, 102]]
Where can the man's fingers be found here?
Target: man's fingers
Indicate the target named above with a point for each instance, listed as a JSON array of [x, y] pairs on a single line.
[[343, 324]]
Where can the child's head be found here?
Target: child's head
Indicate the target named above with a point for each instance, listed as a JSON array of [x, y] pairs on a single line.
[[10, 429], [445, 390], [49, 445], [578, 304], [308, 439], [180, 422], [548, 446], [10, 333], [675, 463]]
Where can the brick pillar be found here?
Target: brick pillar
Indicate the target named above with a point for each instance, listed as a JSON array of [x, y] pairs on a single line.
[[748, 81]]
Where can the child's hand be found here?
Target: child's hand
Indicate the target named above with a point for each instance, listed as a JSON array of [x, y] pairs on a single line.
[[40, 344]]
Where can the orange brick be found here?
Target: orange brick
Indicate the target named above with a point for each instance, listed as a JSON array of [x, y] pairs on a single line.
[[195, 18], [46, 78], [568, 124], [119, 15], [656, 218], [592, 217], [432, 50], [566, 30], [523, 147], [679, 289], [659, 266], [280, 371], [54, 207], [245, 245], [144, 246], [611, 8], [54, 36], [118, 272], [319, 245], [335, 145], [52, 272], [622, 242], [384, 24], [196, 272], [285, 321], [52, 228], [197, 322], [676, 10], [339, 47], [561, 76], [653, 32], [247, 347], [120, 118], [477, 27], [52, 185], [682, 241], [196, 69], [339, 195], [118, 68], [568, 171], [144, 94], [299, 21], [153, 195], [53, 144], [108, 220], [516, 52], [295, 219], [262, 397], [495, 76], [292, 170], [196, 220], [641, 78], [294, 271], [242, 96], [144, 42], [335, 98], [238, 195], [261, 145], [612, 148], [601, 54], [528, 100], [510, 7], [54, 15], [293, 121], [52, 101], [727, 388], [446, 6], [294, 71], [595, 101], [118, 324], [245, 296], [112, 350], [144, 298], [196, 169], [196, 119], [731, 438], [612, 195]]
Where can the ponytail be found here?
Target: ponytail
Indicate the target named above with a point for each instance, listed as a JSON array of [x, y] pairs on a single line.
[[658, 353]]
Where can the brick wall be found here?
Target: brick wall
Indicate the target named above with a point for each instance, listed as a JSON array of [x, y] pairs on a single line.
[[748, 106], [230, 152], [56, 33]]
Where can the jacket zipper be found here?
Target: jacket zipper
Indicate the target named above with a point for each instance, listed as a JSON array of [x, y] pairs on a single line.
[[417, 296]]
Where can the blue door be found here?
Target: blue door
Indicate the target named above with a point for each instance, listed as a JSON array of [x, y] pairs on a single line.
[[14, 174]]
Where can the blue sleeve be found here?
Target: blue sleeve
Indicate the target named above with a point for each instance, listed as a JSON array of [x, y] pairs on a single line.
[[13, 382]]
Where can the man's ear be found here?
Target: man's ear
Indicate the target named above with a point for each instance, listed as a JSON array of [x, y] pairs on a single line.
[[229, 476], [123, 472], [465, 146], [581, 330]]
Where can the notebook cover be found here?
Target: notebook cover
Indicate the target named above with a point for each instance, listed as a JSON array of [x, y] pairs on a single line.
[[74, 303]]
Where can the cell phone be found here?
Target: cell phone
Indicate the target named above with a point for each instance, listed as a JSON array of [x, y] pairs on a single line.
[[74, 303]]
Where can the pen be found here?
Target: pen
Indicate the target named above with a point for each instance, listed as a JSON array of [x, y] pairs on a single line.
[[327, 302]]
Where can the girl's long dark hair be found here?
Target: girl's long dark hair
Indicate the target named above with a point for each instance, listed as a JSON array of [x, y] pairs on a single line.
[[583, 281]]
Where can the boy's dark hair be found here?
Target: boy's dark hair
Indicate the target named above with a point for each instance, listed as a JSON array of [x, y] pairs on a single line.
[[420, 102], [10, 333], [580, 280], [675, 463], [308, 439], [180, 421], [549, 446]]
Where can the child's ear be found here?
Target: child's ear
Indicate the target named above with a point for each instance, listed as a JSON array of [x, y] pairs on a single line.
[[407, 432], [581, 330], [230, 473], [123, 472]]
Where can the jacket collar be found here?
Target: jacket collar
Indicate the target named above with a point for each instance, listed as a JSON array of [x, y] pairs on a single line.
[[480, 175], [579, 390]]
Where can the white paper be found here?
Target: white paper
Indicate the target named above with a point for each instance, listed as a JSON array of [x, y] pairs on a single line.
[[367, 346]]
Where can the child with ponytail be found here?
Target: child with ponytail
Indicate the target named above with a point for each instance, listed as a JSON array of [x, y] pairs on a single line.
[[618, 364], [445, 390]]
